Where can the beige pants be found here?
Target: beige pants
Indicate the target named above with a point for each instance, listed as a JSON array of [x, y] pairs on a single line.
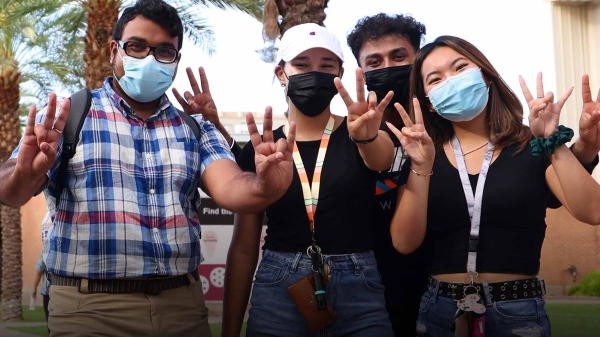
[[177, 312]]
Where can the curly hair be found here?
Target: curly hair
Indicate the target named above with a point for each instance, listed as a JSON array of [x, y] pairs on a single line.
[[156, 11], [373, 28]]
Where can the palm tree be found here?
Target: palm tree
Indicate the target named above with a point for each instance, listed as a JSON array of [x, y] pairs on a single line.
[[102, 16], [292, 12], [33, 57]]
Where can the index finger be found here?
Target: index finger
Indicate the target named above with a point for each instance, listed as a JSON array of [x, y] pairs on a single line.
[[360, 85], [525, 89], [405, 117], [193, 81], [418, 112], [255, 137], [343, 92], [30, 121], [50, 112], [203, 80], [586, 93]]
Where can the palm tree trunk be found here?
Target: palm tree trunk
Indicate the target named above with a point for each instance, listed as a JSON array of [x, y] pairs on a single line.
[[295, 12], [102, 18], [10, 129]]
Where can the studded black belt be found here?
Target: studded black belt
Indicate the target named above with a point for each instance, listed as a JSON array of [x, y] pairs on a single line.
[[151, 286], [500, 291]]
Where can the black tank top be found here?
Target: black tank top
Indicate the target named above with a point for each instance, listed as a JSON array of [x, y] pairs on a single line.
[[343, 218]]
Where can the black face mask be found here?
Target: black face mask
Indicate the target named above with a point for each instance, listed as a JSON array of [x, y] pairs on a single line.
[[311, 92], [395, 79]]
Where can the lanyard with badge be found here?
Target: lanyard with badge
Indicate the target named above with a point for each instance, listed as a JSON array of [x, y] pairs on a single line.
[[470, 302], [309, 293]]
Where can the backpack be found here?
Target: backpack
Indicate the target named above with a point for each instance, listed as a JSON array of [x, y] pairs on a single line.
[[81, 103]]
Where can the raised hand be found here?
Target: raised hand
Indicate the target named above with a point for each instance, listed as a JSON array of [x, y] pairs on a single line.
[[274, 163], [364, 118], [201, 102], [37, 152], [544, 114], [414, 138], [589, 124]]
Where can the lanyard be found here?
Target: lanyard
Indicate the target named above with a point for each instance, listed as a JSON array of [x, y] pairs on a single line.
[[473, 201], [311, 195]]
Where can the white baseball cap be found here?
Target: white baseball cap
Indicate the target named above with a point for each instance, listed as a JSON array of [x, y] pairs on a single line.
[[301, 38]]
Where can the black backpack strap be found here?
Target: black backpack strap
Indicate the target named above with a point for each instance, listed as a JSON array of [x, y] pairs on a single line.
[[81, 102], [191, 122]]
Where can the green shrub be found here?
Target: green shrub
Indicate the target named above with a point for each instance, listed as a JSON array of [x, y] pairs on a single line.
[[589, 286]]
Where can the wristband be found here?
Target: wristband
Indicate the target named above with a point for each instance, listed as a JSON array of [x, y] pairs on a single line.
[[366, 141]]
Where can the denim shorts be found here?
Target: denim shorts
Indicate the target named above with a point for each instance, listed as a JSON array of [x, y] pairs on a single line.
[[354, 291], [523, 317]]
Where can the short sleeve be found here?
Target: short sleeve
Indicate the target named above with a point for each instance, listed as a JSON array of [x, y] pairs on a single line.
[[213, 145], [246, 158], [40, 263], [403, 177]]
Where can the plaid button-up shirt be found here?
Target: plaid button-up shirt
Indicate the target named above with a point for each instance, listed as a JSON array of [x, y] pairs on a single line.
[[129, 204]]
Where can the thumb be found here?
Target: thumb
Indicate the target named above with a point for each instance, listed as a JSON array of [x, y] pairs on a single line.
[[49, 152]]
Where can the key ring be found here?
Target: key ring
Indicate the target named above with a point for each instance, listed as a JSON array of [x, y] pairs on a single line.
[[309, 249], [473, 275]]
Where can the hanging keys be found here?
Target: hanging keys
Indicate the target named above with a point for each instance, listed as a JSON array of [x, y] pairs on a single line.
[[317, 267], [326, 273]]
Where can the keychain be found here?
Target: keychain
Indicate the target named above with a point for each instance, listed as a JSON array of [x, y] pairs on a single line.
[[314, 252]]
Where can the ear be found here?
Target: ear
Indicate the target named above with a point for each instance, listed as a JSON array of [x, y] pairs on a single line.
[[281, 75], [113, 50], [341, 73], [177, 66]]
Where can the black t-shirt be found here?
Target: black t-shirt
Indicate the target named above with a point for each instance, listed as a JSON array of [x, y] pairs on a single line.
[[343, 217], [404, 276], [512, 218]]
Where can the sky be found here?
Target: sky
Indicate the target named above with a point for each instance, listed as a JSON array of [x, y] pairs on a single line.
[[516, 35]]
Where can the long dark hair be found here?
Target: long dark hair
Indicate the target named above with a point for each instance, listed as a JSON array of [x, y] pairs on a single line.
[[504, 115]]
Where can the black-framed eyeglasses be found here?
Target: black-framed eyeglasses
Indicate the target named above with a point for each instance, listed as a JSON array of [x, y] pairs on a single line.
[[140, 50]]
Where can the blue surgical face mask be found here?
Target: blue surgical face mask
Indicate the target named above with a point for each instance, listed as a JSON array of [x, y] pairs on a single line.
[[145, 79], [462, 97]]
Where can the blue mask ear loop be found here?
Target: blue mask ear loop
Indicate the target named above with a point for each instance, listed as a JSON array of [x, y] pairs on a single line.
[[113, 70]]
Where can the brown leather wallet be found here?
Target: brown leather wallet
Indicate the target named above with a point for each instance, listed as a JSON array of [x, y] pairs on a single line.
[[303, 294]]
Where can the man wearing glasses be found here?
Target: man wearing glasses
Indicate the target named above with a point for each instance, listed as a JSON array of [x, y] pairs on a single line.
[[123, 243]]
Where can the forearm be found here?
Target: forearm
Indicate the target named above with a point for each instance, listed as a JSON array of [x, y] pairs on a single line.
[[241, 264], [409, 223], [15, 188], [244, 195], [379, 154], [238, 285], [37, 279], [585, 154], [580, 191]]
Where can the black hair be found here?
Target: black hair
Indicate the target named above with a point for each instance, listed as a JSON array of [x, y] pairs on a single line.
[[373, 28], [157, 11]]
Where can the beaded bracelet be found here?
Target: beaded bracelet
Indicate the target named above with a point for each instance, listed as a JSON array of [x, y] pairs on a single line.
[[541, 145]]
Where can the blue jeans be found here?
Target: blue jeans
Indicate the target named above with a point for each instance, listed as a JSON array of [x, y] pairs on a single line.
[[523, 317], [354, 291]]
